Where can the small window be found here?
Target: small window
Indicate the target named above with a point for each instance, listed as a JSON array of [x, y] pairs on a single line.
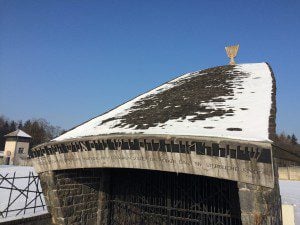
[[21, 151]]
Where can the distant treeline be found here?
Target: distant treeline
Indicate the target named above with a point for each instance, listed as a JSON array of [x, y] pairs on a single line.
[[287, 139], [40, 130], [288, 151], [288, 142]]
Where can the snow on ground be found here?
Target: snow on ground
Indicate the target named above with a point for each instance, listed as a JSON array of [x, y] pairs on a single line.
[[27, 215], [18, 199], [251, 103], [290, 194]]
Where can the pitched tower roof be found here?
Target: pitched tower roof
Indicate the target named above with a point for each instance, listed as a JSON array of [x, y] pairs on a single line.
[[18, 133]]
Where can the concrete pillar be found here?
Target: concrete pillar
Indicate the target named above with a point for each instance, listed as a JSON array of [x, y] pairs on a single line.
[[104, 197], [72, 196], [49, 188], [260, 205]]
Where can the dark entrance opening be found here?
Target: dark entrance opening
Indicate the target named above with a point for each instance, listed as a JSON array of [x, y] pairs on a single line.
[[7, 160], [156, 198]]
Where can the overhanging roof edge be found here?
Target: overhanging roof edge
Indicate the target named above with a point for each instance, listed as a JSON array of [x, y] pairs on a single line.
[[266, 143]]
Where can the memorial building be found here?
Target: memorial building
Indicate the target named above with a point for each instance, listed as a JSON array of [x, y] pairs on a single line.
[[195, 150]]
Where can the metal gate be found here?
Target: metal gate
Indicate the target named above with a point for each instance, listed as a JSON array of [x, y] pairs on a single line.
[[140, 197]]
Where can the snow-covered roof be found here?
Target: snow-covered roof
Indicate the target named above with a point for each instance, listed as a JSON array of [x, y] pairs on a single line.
[[18, 133], [227, 102]]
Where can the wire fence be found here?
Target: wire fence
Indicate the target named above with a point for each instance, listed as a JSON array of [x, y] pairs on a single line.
[[20, 195]]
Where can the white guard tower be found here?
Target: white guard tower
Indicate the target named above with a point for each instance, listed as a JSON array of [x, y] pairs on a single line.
[[16, 147]]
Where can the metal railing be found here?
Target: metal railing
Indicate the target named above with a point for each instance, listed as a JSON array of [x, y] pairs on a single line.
[[20, 195]]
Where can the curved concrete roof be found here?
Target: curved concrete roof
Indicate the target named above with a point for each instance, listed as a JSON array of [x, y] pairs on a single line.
[[225, 102]]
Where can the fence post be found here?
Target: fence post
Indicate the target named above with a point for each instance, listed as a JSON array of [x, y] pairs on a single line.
[[11, 189]]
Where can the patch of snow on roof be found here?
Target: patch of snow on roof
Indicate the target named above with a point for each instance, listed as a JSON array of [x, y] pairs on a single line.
[[23, 134], [249, 120], [18, 133]]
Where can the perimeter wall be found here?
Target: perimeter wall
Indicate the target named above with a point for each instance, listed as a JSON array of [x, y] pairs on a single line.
[[289, 173]]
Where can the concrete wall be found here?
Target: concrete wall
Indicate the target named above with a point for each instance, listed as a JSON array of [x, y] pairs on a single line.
[[9, 149], [288, 215], [247, 171], [289, 173], [13, 148], [2, 160]]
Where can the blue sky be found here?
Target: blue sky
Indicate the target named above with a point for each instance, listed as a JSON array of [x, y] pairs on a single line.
[[70, 60]]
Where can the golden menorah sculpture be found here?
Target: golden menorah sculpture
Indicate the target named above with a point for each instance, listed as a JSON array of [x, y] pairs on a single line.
[[232, 52]]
